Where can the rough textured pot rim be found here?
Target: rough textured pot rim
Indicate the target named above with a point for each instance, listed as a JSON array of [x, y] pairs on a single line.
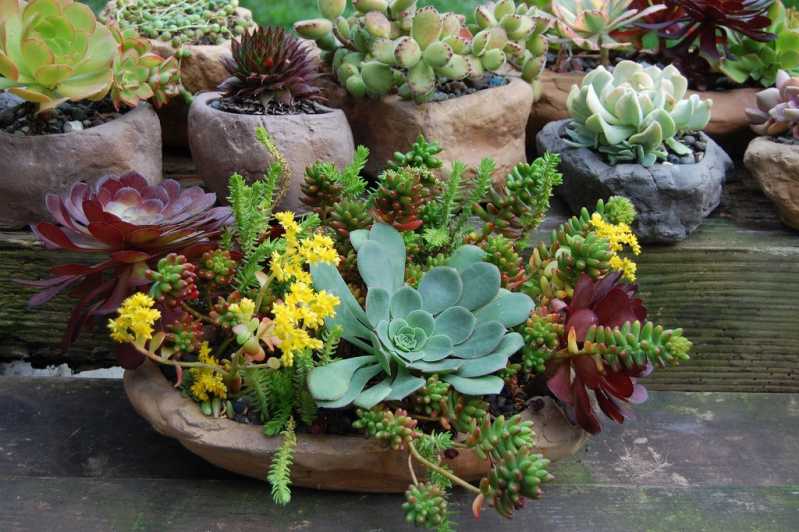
[[777, 149], [205, 98], [175, 416], [143, 107]]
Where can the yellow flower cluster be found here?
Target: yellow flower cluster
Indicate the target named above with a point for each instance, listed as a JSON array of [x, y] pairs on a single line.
[[290, 265], [618, 236], [207, 382], [303, 310], [136, 317], [243, 310]]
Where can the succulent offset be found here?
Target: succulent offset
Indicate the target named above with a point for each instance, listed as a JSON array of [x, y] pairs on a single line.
[[777, 111], [455, 324], [634, 113], [395, 46]]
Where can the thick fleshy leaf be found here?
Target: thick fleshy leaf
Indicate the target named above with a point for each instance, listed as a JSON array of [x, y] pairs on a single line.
[[496, 361], [331, 382], [481, 283], [372, 396], [443, 366], [375, 267], [457, 323], [404, 301], [394, 247], [465, 256], [423, 320], [440, 289], [484, 340], [358, 238], [357, 384], [488, 385], [377, 305], [348, 313], [437, 348], [508, 309], [404, 384]]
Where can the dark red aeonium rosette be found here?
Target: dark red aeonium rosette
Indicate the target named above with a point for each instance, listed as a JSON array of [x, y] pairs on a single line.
[[133, 224], [610, 303]]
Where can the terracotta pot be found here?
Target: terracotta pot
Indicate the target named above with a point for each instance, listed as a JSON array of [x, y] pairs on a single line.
[[338, 463], [728, 125], [671, 199], [224, 143], [776, 168], [488, 123], [32, 166]]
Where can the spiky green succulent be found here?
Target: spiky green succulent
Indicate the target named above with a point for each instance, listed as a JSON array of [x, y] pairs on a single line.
[[425, 505], [52, 51], [388, 46], [423, 154], [455, 324], [634, 113]]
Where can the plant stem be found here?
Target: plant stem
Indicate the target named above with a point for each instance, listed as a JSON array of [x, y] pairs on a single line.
[[604, 55], [410, 468], [196, 314], [430, 465], [175, 363]]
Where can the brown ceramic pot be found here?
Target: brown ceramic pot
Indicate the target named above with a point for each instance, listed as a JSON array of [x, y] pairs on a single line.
[[488, 123], [339, 463], [728, 126], [32, 166], [776, 168], [224, 143]]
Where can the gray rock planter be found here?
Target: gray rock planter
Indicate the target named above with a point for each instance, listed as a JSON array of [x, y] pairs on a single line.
[[224, 143], [672, 200], [776, 168], [32, 166]]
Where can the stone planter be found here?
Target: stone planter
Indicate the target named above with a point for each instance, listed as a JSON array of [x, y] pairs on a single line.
[[339, 463], [672, 200], [728, 126], [224, 143], [35, 165], [488, 123], [776, 168]]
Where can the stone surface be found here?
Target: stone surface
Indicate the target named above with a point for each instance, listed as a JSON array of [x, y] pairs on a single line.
[[33, 166], [672, 200], [776, 168], [728, 126], [338, 463], [223, 143], [488, 123]]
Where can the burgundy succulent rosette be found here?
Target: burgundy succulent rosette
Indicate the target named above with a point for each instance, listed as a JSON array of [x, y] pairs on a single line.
[[133, 224]]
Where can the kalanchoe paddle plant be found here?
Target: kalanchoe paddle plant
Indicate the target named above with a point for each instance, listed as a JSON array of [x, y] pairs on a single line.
[[52, 51], [634, 113], [392, 45], [456, 324], [271, 64], [777, 111], [133, 224]]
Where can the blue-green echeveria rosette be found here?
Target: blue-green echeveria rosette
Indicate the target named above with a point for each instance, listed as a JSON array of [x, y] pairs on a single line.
[[456, 324]]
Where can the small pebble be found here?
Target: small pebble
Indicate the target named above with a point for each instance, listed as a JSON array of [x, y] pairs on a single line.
[[689, 139], [701, 145], [699, 156], [73, 125]]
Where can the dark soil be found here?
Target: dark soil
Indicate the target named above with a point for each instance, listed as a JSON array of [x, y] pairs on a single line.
[[22, 120], [252, 106], [698, 144], [454, 89]]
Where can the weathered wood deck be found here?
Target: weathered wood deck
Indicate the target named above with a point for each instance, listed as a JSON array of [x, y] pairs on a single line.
[[75, 457]]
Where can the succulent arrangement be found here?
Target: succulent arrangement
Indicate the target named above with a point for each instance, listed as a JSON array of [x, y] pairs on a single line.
[[388, 46], [777, 111], [180, 23], [52, 51], [635, 113]]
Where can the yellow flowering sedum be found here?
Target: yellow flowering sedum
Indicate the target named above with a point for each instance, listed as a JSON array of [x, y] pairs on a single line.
[[304, 310], [135, 320], [618, 236], [290, 265], [206, 382]]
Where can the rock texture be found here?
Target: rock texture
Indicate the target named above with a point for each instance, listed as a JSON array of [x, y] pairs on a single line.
[[339, 463], [32, 166], [671, 199], [488, 123], [728, 125], [776, 168], [223, 143]]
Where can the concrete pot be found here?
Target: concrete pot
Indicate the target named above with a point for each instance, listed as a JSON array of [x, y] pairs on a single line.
[[728, 126], [776, 168], [32, 166], [488, 123], [224, 143], [337, 463], [672, 200]]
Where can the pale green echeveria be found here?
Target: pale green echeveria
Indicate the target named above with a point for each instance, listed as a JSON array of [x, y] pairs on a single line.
[[633, 113], [454, 324], [54, 50]]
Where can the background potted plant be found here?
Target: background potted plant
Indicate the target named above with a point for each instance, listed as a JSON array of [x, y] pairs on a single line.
[[428, 72], [78, 78], [773, 157], [198, 32], [634, 133], [273, 84]]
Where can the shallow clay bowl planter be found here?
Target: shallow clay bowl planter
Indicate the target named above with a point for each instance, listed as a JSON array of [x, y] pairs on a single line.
[[34, 165], [776, 167], [671, 199], [487, 123], [223, 143], [728, 126], [340, 463]]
